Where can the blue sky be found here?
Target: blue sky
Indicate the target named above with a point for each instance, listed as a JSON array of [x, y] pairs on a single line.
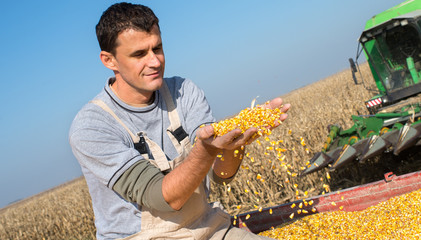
[[234, 50]]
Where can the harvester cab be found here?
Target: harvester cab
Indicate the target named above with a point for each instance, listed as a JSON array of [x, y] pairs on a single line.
[[391, 42]]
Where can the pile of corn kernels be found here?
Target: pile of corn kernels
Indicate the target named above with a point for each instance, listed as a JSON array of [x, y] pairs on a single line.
[[397, 218], [258, 117]]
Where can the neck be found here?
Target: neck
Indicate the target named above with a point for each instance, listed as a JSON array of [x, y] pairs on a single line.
[[136, 99]]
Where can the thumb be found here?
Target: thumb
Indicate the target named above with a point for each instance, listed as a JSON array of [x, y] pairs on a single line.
[[205, 132]]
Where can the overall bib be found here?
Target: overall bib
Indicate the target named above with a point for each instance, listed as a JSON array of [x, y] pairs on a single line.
[[197, 219]]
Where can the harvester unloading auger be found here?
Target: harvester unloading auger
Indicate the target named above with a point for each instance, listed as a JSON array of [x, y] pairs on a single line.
[[391, 42]]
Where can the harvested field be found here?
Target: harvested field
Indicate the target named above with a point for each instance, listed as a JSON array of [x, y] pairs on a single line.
[[264, 180]]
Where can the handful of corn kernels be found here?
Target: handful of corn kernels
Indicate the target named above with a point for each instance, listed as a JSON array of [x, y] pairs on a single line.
[[260, 117]]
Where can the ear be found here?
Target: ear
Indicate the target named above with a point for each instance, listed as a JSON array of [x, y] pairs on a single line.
[[108, 60]]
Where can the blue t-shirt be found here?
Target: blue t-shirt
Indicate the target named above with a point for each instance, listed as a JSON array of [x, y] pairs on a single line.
[[105, 149]]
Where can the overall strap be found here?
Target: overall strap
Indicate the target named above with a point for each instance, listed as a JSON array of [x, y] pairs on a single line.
[[159, 156], [175, 131], [104, 106]]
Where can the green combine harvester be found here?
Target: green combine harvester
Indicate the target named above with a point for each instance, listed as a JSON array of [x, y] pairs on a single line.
[[391, 42]]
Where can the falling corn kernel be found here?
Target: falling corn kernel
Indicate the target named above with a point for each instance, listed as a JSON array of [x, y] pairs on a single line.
[[291, 216], [302, 141], [248, 216], [244, 224], [310, 202], [327, 175], [293, 205], [305, 211], [246, 190], [341, 207], [313, 210], [234, 222], [219, 155], [260, 209], [295, 185], [300, 205], [270, 211], [235, 152], [333, 203], [238, 206], [299, 211]]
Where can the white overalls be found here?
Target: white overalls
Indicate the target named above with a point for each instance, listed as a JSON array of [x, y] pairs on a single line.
[[197, 219]]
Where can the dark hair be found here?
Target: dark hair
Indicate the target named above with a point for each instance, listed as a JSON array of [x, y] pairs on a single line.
[[120, 17]]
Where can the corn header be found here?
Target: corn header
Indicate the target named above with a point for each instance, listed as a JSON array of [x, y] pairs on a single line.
[[391, 43]]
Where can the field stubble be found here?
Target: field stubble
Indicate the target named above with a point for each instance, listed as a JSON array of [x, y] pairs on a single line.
[[265, 178]]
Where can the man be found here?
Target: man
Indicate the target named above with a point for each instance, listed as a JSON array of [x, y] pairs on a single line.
[[134, 141]]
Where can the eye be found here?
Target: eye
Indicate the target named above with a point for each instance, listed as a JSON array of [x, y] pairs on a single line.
[[157, 49]]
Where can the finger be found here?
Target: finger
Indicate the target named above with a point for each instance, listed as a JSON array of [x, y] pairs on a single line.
[[245, 138], [285, 107], [205, 132], [229, 137], [275, 103]]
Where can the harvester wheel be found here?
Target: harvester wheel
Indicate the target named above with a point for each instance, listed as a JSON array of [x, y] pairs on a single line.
[[353, 140], [384, 130], [370, 133]]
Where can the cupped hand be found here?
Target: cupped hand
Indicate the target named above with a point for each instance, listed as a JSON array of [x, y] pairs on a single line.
[[235, 139], [229, 141]]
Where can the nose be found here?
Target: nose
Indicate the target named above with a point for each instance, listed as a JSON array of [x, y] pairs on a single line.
[[153, 60]]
